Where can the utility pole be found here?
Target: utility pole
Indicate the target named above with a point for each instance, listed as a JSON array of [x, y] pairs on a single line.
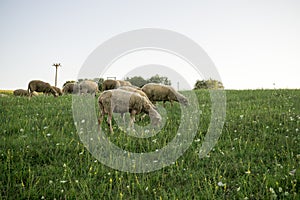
[[56, 65]]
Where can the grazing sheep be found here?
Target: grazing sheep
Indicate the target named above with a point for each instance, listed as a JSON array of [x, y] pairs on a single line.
[[21, 92], [40, 86], [139, 91], [124, 83], [110, 84], [68, 88], [157, 92], [114, 84], [121, 101], [88, 87], [58, 90]]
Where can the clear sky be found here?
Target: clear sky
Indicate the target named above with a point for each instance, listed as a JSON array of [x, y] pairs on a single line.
[[254, 44]]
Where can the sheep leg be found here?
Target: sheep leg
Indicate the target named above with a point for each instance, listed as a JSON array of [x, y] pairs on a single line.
[[100, 119], [123, 117], [132, 118], [109, 122]]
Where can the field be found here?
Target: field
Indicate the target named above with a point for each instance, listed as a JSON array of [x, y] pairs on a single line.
[[257, 155]]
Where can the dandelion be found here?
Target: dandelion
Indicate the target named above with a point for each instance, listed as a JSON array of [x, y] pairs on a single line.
[[248, 171]]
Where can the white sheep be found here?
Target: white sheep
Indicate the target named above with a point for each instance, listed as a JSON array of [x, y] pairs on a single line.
[[121, 101], [87, 87]]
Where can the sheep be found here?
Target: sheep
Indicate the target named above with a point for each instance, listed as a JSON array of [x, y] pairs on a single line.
[[110, 84], [88, 87], [137, 90], [157, 92], [124, 83], [40, 86], [114, 84], [121, 101], [21, 92], [68, 88], [58, 90]]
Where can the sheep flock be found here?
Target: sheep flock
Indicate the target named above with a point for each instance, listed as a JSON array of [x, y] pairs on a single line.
[[117, 96]]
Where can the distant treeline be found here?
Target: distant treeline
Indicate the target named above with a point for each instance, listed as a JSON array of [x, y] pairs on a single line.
[[140, 82]]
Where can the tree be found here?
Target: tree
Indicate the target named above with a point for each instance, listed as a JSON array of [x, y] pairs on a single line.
[[208, 84], [99, 81], [159, 79], [137, 81]]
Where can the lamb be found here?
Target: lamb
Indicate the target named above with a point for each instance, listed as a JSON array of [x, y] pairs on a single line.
[[157, 92], [114, 84], [40, 86], [121, 101]]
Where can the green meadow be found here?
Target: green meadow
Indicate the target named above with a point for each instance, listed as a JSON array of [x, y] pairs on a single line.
[[256, 157]]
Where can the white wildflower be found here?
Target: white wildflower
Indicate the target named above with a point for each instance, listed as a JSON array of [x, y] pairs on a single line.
[[221, 184]]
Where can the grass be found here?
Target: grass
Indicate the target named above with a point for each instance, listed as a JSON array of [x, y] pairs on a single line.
[[256, 157]]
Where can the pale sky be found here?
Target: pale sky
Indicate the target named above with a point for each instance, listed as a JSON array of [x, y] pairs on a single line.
[[253, 44]]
